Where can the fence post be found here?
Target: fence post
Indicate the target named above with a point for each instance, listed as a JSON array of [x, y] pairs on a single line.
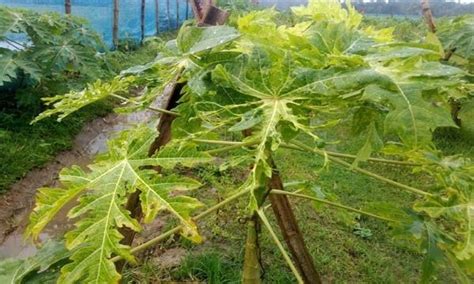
[[157, 16], [67, 6], [168, 13], [115, 37], [177, 13], [142, 21]]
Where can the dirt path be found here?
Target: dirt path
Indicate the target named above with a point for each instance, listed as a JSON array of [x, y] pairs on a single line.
[[16, 204]]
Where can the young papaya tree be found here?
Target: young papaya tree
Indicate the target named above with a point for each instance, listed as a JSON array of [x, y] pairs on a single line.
[[272, 85], [42, 51]]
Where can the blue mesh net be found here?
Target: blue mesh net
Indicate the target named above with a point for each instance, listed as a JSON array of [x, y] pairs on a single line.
[[100, 14]]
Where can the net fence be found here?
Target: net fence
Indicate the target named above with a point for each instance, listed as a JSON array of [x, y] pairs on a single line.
[[99, 13], [173, 12]]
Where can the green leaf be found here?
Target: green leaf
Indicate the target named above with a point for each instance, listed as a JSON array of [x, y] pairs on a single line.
[[373, 143], [17, 271], [192, 40], [103, 190], [8, 68], [329, 10], [66, 104]]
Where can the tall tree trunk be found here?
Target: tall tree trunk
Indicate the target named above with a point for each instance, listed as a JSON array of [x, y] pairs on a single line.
[[67, 7], [426, 10], [115, 27], [177, 13], [251, 273], [157, 16], [290, 230], [142, 20], [168, 13]]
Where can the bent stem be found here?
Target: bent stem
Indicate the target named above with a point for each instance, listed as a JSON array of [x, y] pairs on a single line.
[[177, 229], [362, 171], [337, 205], [265, 221]]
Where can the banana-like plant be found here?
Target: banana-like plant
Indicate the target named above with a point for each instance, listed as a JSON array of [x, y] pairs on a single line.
[[273, 85]]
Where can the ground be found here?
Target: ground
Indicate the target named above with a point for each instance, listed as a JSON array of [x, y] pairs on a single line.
[[346, 248]]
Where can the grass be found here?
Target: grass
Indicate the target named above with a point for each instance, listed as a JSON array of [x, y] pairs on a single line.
[[345, 247], [24, 146]]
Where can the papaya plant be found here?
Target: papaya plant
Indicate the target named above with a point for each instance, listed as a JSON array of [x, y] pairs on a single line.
[[270, 85], [42, 50]]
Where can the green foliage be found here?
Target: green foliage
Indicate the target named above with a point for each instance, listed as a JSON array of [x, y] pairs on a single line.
[[26, 146], [457, 34], [103, 192], [54, 45], [21, 271], [286, 85]]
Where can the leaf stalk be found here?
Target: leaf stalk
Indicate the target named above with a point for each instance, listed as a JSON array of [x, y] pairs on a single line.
[[177, 229], [265, 221], [327, 202], [362, 171]]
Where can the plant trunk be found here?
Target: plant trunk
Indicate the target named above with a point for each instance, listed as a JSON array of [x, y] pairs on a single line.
[[157, 16], [142, 20], [251, 273], [172, 92], [67, 7], [426, 10], [291, 233], [115, 29]]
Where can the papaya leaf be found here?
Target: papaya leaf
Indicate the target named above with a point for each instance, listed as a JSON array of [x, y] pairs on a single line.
[[8, 69], [103, 191], [66, 104], [20, 270]]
